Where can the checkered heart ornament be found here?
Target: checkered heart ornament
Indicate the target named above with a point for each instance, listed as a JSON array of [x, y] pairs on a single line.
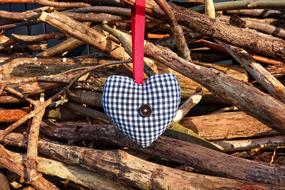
[[142, 110]]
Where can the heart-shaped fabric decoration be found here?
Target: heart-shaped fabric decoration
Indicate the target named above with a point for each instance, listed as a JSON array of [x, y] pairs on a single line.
[[141, 111]]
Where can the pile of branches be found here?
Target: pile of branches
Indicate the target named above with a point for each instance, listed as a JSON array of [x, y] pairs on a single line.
[[228, 132]]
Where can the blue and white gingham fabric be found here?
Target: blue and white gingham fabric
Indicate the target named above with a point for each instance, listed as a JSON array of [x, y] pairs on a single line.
[[122, 98]]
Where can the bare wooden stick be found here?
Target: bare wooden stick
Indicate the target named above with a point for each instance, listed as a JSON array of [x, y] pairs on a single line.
[[62, 4], [59, 49], [33, 138], [249, 144], [37, 38], [245, 4], [76, 29], [209, 8], [257, 24], [7, 161], [19, 94], [92, 17], [50, 3], [105, 9], [268, 81], [220, 48], [192, 101], [257, 12], [87, 112], [176, 30]]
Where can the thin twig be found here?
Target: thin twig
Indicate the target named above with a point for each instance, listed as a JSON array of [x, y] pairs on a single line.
[[50, 100], [244, 4], [176, 30], [19, 94], [192, 101], [126, 44]]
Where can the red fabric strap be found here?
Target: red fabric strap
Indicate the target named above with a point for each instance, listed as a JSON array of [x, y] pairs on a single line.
[[138, 27]]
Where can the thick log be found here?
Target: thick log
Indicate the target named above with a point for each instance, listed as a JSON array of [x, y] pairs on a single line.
[[199, 157], [71, 173], [264, 45], [228, 125], [131, 170]]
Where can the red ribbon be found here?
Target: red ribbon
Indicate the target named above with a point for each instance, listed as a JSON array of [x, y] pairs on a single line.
[[138, 27]]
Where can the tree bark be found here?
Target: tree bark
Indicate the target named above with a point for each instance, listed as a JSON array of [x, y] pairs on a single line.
[[7, 161], [249, 99], [71, 173], [134, 171], [199, 157], [253, 42]]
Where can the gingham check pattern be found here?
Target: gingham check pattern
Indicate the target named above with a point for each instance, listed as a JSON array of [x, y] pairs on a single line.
[[122, 99]]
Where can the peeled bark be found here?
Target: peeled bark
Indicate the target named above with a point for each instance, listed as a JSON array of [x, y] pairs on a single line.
[[228, 125]]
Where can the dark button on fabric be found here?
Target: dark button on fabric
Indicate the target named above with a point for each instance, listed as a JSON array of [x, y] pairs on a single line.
[[145, 110]]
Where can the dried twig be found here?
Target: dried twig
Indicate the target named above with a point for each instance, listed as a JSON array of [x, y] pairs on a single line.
[[255, 24], [176, 30], [88, 35], [33, 138], [244, 4], [268, 81], [50, 100], [37, 38], [248, 144], [87, 112], [220, 48], [192, 101]]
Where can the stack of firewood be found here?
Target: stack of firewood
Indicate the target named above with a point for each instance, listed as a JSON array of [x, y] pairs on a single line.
[[228, 132]]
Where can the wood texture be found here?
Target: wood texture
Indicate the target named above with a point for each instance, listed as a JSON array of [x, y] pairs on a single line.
[[199, 157], [229, 125], [134, 171]]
